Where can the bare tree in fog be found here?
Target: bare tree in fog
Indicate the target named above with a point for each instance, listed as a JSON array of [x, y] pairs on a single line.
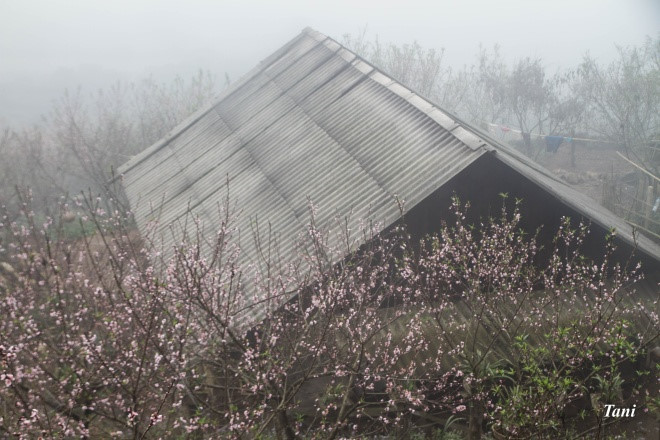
[[87, 136], [624, 98]]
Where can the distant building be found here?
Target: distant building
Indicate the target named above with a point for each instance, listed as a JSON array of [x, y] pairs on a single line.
[[316, 122]]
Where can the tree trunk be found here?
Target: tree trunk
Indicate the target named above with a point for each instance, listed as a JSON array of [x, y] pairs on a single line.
[[282, 426], [476, 416]]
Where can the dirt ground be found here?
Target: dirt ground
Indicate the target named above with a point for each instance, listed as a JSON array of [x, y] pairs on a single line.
[[595, 165]]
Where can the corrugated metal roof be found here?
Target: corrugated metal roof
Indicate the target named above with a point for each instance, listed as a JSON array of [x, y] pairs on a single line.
[[315, 122]]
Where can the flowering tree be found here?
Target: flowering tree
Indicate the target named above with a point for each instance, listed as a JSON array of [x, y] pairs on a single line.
[[323, 363], [109, 335], [91, 349], [505, 310]]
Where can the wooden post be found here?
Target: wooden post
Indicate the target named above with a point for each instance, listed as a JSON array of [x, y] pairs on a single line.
[[638, 203], [648, 206], [572, 148]]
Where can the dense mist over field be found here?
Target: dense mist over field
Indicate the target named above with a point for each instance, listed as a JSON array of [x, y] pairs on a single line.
[[47, 46]]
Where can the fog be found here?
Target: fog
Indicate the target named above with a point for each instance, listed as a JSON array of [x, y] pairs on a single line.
[[47, 46], [235, 280]]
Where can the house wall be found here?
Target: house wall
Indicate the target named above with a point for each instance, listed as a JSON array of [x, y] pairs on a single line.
[[483, 181]]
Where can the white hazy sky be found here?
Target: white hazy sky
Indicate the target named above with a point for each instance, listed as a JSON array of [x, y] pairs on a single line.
[[51, 44]]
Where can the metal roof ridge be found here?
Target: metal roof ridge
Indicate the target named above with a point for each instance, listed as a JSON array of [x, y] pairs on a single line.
[[443, 118], [438, 114]]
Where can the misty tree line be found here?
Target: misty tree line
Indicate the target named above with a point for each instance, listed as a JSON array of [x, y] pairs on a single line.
[[86, 136], [617, 102]]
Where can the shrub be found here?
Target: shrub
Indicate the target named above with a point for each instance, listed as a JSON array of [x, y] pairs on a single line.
[[111, 335]]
